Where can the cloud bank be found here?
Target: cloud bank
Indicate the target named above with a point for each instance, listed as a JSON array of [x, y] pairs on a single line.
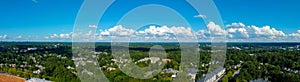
[[235, 32]]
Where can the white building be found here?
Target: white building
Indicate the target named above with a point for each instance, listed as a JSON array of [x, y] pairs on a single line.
[[213, 76], [37, 80]]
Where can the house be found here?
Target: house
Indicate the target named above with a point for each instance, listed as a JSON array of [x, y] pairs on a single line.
[[12, 65], [111, 69], [21, 66], [174, 76], [37, 71], [167, 60], [69, 67]]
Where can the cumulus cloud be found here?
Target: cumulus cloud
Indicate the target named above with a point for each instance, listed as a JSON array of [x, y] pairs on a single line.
[[117, 31], [3, 36], [234, 31], [295, 35], [150, 33], [200, 16], [215, 29], [65, 35], [202, 34], [166, 31], [241, 31], [59, 36], [266, 31], [105, 32], [237, 30], [236, 25], [181, 31], [54, 36], [100, 37], [153, 30]]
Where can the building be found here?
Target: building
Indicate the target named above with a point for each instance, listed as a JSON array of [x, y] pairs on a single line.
[[174, 76], [152, 59], [170, 70], [111, 69], [37, 71], [260, 80], [69, 67], [213, 76], [167, 60], [32, 49], [37, 80]]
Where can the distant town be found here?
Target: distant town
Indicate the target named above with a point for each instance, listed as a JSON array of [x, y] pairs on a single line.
[[49, 61]]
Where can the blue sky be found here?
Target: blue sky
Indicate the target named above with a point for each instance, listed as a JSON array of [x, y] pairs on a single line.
[[47, 19]]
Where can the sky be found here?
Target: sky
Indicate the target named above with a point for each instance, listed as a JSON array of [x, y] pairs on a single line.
[[145, 20]]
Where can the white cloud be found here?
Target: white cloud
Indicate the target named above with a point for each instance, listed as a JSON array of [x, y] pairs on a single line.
[[93, 26], [150, 33], [117, 31], [295, 35], [200, 16], [65, 36], [182, 31], [59, 36], [105, 32], [153, 30], [89, 33], [237, 30], [215, 29], [140, 33], [236, 25], [19, 37], [3, 37], [99, 37], [241, 31], [266, 31], [202, 34], [166, 31], [53, 36]]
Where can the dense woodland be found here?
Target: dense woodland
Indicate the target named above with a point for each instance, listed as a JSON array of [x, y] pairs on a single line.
[[277, 62]]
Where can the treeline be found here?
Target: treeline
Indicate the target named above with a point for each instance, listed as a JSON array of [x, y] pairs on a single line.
[[271, 64]]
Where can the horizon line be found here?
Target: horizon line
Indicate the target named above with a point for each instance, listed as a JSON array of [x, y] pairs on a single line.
[[155, 42]]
